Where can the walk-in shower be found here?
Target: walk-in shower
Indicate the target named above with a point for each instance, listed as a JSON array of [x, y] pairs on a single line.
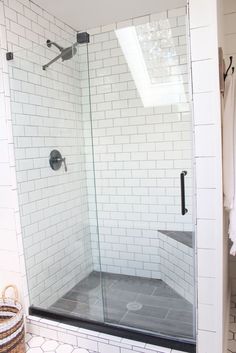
[[103, 146]]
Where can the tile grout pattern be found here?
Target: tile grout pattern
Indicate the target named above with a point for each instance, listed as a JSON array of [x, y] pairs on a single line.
[[46, 114], [146, 304], [36, 344], [232, 326], [90, 340], [139, 149], [207, 113]]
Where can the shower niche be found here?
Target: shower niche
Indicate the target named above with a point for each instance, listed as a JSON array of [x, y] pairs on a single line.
[[110, 243]]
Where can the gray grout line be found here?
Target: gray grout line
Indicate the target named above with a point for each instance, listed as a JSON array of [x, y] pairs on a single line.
[[123, 316], [135, 297]]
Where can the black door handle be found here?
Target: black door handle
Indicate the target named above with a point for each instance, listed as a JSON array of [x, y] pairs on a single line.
[[182, 187]]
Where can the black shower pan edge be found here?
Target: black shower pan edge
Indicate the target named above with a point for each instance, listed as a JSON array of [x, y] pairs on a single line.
[[114, 330]]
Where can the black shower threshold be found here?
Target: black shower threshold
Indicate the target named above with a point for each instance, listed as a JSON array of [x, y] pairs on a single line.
[[181, 345]]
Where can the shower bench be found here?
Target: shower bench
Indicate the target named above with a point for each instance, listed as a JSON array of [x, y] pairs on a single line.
[[176, 251]]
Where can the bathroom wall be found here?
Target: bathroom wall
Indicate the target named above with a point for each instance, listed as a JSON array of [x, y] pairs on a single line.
[[139, 150], [45, 108], [204, 38], [12, 266], [230, 49], [207, 125]]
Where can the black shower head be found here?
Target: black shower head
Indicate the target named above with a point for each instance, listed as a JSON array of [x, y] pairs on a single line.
[[66, 53]]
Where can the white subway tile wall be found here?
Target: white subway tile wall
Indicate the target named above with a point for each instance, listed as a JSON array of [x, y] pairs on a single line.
[[139, 151], [206, 107], [12, 269], [177, 266], [46, 115], [207, 120], [87, 339]]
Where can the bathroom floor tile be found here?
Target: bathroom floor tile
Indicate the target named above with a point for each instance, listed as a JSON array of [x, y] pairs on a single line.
[[51, 346], [166, 327], [83, 297], [180, 315], [166, 291], [134, 284], [142, 303]]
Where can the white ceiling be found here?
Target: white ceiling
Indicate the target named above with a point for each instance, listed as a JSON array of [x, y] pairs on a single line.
[[85, 14]]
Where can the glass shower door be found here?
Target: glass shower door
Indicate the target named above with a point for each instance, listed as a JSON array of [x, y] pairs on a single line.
[[56, 199], [108, 239], [142, 136]]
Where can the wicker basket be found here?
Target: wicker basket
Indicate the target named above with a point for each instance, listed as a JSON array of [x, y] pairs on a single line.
[[12, 334]]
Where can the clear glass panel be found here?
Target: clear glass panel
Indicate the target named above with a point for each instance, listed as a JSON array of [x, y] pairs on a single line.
[[142, 128], [49, 113], [106, 240]]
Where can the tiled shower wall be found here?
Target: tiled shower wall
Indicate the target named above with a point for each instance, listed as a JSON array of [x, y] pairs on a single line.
[[46, 115], [204, 39], [139, 151], [12, 266], [177, 266]]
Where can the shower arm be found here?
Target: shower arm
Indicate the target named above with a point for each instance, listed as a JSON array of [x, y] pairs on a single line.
[[52, 61], [49, 44], [58, 57]]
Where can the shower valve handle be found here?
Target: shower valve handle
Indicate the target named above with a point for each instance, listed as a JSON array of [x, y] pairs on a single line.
[[65, 165], [62, 160], [56, 160]]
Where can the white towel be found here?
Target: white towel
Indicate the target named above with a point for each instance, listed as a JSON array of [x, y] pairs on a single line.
[[229, 156], [228, 141]]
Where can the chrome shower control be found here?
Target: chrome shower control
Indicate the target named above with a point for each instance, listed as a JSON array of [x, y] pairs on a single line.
[[56, 160]]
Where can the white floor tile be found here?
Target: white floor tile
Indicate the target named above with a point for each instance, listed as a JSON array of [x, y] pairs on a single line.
[[28, 336], [50, 345], [64, 348], [35, 350], [45, 345], [36, 342]]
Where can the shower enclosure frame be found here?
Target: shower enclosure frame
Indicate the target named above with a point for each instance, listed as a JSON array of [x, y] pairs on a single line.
[[123, 331]]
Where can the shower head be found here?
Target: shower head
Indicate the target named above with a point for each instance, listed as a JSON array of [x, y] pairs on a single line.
[[66, 53]]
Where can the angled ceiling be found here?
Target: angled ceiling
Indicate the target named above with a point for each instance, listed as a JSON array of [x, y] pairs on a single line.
[[92, 13]]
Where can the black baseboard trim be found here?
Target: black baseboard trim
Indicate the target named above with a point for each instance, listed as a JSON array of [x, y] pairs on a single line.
[[181, 345]]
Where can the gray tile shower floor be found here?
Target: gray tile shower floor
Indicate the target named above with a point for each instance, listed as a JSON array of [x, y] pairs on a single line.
[[137, 302]]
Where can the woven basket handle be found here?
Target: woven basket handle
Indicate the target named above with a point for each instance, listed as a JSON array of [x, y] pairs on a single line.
[[16, 295]]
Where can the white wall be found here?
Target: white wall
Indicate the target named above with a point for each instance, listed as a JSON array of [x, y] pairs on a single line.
[[207, 119], [203, 23], [45, 107], [12, 266], [139, 151]]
